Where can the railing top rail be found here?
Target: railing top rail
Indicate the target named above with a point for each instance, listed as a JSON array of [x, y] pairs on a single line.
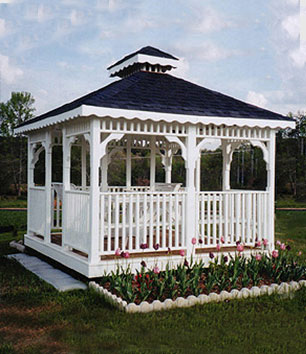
[[37, 188], [143, 193], [77, 192], [234, 192]]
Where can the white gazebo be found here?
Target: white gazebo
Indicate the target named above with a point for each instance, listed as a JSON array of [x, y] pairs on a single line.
[[82, 226]]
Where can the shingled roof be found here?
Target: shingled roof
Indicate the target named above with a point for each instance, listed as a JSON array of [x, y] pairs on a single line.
[[147, 91]]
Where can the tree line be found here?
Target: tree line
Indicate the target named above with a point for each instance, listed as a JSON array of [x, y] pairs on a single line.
[[248, 169]]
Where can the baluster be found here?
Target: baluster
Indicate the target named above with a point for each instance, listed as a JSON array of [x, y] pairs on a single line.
[[137, 222], [102, 216], [130, 216], [177, 219], [164, 226], [214, 219], [158, 219]]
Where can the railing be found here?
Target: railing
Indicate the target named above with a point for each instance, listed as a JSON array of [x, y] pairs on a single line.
[[139, 221], [37, 212], [120, 189], [235, 215], [77, 221]]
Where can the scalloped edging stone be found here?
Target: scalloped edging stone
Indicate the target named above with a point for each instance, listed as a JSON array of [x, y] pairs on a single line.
[[156, 305]]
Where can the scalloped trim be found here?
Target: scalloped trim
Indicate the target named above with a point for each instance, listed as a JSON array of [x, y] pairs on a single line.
[[156, 305]]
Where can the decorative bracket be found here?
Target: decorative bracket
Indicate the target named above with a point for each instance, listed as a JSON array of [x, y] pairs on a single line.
[[175, 139], [103, 145], [263, 148]]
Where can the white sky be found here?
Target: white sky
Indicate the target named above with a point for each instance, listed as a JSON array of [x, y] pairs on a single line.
[[59, 50]]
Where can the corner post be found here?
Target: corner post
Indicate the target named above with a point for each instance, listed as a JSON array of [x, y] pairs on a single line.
[[191, 208], [30, 182], [94, 241], [66, 181], [271, 189], [48, 180]]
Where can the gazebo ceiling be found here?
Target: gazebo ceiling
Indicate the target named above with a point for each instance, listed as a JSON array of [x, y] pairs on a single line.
[[162, 93]]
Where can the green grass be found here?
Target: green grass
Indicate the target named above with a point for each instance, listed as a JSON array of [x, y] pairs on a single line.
[[35, 318], [13, 202], [16, 219], [289, 202]]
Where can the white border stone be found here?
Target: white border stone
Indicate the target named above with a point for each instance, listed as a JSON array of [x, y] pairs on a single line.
[[156, 305]]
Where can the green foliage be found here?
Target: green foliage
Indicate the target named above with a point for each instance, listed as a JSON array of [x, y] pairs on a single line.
[[194, 279], [17, 110], [13, 156]]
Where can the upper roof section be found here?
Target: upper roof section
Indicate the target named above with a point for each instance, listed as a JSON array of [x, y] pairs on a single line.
[[145, 59]]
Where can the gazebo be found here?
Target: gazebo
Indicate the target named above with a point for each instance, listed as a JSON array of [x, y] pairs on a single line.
[[93, 227]]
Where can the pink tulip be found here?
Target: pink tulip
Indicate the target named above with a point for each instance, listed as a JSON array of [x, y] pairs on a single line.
[[126, 255], [193, 240], [282, 246], [156, 270], [218, 247], [275, 253], [258, 257], [118, 252], [258, 243], [265, 242], [182, 253], [300, 253], [278, 243], [240, 247], [222, 239]]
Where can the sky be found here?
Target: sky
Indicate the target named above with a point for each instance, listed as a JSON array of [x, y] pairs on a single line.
[[59, 50]]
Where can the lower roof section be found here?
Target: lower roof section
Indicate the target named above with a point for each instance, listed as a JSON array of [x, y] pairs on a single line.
[[147, 95], [100, 112]]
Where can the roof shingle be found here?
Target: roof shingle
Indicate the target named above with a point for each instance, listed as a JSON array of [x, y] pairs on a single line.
[[146, 91]]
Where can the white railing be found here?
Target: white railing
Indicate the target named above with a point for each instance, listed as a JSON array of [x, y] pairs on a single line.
[[77, 222], [130, 220], [120, 189], [235, 215], [37, 212]]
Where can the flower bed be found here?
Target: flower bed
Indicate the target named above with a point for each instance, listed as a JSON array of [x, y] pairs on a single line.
[[225, 274]]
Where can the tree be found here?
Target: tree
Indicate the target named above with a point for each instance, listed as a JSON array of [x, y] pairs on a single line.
[[17, 110]]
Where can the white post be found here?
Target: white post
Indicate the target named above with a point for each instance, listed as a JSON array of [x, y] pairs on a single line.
[[226, 171], [271, 189], [83, 163], [66, 182], [168, 165], [30, 181], [198, 174], [152, 162], [128, 163], [48, 178], [93, 254], [104, 172], [191, 217]]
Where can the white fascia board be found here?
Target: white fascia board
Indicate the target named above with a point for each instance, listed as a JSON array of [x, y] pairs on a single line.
[[142, 58], [87, 111], [77, 112], [185, 118]]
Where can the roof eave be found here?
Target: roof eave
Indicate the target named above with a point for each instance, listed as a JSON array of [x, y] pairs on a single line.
[[87, 111]]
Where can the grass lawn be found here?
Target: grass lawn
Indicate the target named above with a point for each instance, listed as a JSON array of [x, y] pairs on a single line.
[[13, 202], [35, 318]]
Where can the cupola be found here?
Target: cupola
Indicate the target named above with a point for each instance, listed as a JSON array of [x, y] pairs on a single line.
[[145, 59]]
